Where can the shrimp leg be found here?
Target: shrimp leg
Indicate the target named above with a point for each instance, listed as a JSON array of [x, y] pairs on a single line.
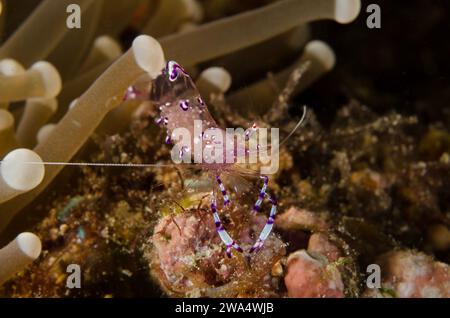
[[224, 236], [226, 198], [267, 228], [262, 194]]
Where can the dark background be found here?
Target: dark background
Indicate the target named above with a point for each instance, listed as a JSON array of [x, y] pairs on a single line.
[[403, 66]]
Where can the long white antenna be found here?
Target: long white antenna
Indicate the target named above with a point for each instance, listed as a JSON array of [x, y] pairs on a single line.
[[300, 122], [142, 165], [98, 164]]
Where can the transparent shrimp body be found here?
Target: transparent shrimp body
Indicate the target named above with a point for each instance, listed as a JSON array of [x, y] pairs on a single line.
[[181, 105]]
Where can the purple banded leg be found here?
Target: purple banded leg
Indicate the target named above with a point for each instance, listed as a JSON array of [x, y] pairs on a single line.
[[200, 101], [162, 120], [223, 234], [183, 150], [226, 198], [267, 228], [261, 195]]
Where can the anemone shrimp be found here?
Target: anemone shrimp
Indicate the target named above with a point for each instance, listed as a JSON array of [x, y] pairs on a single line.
[[180, 106]]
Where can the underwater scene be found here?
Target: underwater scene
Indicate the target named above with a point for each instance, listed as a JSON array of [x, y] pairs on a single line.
[[224, 149]]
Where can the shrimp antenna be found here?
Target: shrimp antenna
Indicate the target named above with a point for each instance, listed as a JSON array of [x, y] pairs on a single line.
[[300, 122], [298, 125]]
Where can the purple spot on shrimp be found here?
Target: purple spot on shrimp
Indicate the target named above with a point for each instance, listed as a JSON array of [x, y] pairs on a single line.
[[200, 101], [217, 224], [184, 105], [273, 200], [270, 221], [168, 140]]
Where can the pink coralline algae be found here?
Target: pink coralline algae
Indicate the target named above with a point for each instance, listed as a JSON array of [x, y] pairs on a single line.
[[410, 274], [182, 246], [187, 258], [319, 243], [315, 272], [301, 219]]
